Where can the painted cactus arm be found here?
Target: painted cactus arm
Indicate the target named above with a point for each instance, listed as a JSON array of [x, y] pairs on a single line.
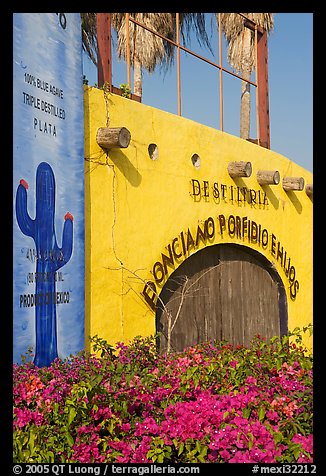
[[67, 238], [25, 222]]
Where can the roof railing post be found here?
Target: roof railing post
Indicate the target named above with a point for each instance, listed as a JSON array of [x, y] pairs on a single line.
[[177, 21], [220, 69], [262, 90], [104, 53], [262, 101], [128, 48]]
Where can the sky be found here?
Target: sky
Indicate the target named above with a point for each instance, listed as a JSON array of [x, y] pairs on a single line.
[[290, 78]]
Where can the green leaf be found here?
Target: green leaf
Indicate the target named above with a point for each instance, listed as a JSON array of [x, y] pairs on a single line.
[[278, 437], [196, 379], [50, 456], [94, 381], [190, 371], [198, 446], [69, 438], [299, 427], [251, 440], [181, 448], [296, 449], [204, 451], [71, 416], [31, 440], [246, 412], [261, 413]]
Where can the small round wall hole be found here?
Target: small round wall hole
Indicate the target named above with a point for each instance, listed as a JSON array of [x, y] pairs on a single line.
[[195, 159], [153, 151]]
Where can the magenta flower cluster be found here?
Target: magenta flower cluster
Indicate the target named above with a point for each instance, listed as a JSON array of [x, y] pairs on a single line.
[[211, 403]]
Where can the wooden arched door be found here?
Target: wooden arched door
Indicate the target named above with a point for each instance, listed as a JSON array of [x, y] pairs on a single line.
[[221, 292]]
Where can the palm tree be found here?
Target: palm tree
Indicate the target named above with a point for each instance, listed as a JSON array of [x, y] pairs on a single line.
[[148, 50], [241, 55]]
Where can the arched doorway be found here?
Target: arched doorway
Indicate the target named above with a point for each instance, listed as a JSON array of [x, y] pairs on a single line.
[[222, 292]]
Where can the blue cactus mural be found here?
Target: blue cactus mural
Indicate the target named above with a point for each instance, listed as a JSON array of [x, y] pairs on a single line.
[[50, 257]]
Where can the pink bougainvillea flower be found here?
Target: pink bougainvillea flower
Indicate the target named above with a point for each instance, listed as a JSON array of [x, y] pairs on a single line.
[[237, 406], [289, 409]]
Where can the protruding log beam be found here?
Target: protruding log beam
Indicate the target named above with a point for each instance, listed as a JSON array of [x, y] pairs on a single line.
[[239, 169], [293, 183], [309, 190], [113, 137], [268, 177]]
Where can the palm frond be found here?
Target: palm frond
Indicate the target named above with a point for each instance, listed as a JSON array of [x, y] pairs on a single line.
[[152, 50], [145, 46], [241, 41], [89, 37]]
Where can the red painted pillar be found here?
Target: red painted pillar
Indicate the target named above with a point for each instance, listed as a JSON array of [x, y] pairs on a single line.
[[104, 54], [263, 100]]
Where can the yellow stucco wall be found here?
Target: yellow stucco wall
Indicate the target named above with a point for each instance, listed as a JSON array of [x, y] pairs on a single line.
[[136, 207]]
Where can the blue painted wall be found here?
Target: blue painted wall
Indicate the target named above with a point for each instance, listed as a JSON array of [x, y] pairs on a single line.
[[48, 186]]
